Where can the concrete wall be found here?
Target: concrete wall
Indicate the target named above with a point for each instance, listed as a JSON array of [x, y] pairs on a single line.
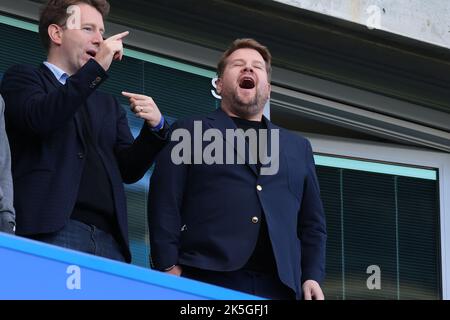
[[423, 20]]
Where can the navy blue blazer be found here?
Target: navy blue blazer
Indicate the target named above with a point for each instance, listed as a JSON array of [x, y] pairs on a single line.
[[47, 145], [204, 215]]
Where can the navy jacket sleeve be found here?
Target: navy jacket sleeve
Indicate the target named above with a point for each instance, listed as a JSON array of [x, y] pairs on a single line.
[[135, 158], [311, 227], [167, 187]]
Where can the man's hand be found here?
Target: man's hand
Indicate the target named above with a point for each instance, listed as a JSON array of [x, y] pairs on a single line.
[[110, 49], [312, 290], [144, 107], [176, 271]]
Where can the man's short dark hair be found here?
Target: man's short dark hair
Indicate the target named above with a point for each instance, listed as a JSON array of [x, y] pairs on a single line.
[[55, 12], [246, 44]]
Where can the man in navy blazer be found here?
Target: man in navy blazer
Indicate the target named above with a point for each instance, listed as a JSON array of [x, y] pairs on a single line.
[[225, 210], [71, 145]]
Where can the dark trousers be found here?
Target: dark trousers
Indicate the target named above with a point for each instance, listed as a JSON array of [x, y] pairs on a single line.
[[252, 282], [83, 237]]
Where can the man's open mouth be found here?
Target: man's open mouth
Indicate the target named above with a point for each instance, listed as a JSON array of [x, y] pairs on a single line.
[[247, 83]]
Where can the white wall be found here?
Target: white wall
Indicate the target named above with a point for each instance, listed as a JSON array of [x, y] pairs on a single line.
[[423, 20]]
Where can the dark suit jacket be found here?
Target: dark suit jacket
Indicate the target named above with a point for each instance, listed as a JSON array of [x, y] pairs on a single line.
[[47, 145], [203, 215]]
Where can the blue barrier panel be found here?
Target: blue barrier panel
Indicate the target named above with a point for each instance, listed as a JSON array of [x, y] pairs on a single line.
[[35, 270]]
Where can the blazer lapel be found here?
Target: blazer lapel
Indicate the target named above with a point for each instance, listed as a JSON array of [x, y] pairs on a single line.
[[49, 76], [271, 157], [53, 82], [221, 121]]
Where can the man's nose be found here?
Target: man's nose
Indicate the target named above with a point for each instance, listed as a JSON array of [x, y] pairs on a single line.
[[247, 68], [97, 38]]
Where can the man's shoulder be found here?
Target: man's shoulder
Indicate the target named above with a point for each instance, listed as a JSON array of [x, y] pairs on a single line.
[[21, 75], [23, 68], [22, 71]]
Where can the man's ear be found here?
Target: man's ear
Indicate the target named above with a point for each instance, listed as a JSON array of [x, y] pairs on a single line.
[[269, 90], [55, 34], [219, 85]]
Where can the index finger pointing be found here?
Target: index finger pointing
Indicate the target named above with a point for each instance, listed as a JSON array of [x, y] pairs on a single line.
[[119, 36], [134, 95]]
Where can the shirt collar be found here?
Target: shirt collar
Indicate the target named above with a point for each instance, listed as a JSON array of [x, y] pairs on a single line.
[[59, 74]]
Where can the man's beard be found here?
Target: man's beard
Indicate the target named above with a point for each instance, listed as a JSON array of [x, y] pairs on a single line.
[[250, 108]]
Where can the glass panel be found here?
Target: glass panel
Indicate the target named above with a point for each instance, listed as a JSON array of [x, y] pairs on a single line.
[[383, 235]]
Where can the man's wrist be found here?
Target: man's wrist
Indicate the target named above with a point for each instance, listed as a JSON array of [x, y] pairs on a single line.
[[160, 125]]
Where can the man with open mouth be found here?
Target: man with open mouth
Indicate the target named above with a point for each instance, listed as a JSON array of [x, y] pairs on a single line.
[[71, 145], [232, 223]]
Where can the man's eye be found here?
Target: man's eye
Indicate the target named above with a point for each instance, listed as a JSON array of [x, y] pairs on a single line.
[[89, 29]]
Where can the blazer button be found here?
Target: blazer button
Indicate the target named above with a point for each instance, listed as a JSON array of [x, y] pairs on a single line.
[[259, 188], [80, 155], [255, 220]]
